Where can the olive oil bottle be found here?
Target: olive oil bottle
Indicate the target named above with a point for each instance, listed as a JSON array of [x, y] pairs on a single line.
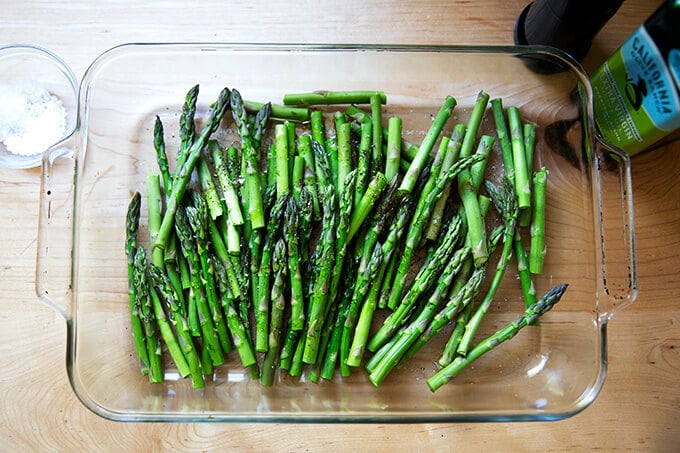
[[636, 92]]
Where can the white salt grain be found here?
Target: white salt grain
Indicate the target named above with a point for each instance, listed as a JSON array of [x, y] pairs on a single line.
[[31, 119]]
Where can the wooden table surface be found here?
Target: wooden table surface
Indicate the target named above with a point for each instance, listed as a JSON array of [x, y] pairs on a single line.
[[639, 406]]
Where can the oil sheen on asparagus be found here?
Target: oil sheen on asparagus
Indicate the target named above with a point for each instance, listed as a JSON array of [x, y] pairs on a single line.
[[293, 237]]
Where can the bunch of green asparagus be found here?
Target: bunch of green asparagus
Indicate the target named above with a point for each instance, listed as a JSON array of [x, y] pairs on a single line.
[[287, 242]]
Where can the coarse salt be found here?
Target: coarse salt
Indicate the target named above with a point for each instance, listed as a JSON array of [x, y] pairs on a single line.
[[31, 119]]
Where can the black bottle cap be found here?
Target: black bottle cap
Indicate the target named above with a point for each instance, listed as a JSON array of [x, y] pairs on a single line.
[[569, 25]]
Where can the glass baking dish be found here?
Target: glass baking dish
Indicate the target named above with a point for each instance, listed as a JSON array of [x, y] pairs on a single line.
[[548, 372]]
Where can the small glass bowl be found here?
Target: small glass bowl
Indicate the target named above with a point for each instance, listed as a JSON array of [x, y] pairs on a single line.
[[24, 62]]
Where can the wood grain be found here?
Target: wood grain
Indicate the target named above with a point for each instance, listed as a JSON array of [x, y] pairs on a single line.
[[639, 406]]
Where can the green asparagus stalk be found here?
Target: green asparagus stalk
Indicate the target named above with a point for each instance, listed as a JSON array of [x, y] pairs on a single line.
[[280, 112], [427, 144], [278, 299], [131, 229], [161, 156], [250, 158], [418, 224], [292, 146], [237, 329], [522, 183], [377, 155], [422, 282], [332, 352], [542, 306], [211, 341], [154, 212], [187, 356], [344, 216], [197, 216], [529, 134], [212, 198], [291, 234], [305, 150], [365, 162], [149, 318], [227, 186], [451, 155], [322, 285], [408, 149], [537, 249], [264, 273], [368, 200], [182, 175], [416, 327], [260, 125], [503, 138], [506, 204], [332, 97], [282, 177], [435, 170], [187, 130], [365, 279], [394, 126], [528, 289], [456, 303], [449, 352], [344, 155]]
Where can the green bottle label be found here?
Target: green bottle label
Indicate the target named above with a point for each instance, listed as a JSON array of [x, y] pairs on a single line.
[[635, 94]]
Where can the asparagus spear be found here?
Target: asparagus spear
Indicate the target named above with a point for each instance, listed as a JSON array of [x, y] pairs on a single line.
[[456, 303], [280, 112], [332, 97], [506, 203], [416, 327], [161, 156], [522, 184], [183, 174], [537, 249], [228, 187], [427, 144], [344, 216], [525, 279], [260, 126], [419, 222], [250, 158], [503, 138], [208, 188], [344, 161], [529, 134], [278, 298], [210, 340], [365, 164], [187, 355], [365, 279], [322, 285], [451, 155], [368, 200], [187, 131], [131, 228], [377, 155], [542, 306], [239, 336], [394, 126], [429, 270], [197, 216], [264, 273], [282, 177], [149, 318], [305, 150], [291, 234]]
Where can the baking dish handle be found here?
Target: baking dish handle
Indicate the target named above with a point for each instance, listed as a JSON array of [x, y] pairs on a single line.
[[615, 207], [53, 283]]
